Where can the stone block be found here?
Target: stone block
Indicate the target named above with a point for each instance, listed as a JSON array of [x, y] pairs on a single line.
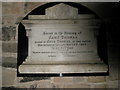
[[13, 8], [8, 20], [45, 84], [76, 85], [0, 75], [79, 79], [9, 62], [58, 85], [11, 20], [35, 84], [68, 85], [17, 80], [32, 5], [9, 47], [100, 86], [6, 55], [96, 79], [8, 76], [113, 84], [0, 34], [8, 33], [62, 79]]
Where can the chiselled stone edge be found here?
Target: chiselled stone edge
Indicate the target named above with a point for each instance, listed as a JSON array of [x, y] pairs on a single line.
[[64, 21], [84, 16], [78, 68], [60, 62]]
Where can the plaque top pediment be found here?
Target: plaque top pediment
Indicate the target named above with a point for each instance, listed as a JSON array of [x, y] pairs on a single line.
[[62, 10]]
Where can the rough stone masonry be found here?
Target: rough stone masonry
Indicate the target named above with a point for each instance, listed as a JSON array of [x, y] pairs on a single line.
[[12, 14]]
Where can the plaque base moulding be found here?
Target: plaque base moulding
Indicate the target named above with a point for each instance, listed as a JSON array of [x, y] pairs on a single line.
[[63, 68]]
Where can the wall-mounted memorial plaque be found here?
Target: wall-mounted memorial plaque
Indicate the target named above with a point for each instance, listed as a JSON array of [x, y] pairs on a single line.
[[62, 42]]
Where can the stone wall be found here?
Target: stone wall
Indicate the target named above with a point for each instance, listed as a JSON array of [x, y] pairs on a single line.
[[12, 14]]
